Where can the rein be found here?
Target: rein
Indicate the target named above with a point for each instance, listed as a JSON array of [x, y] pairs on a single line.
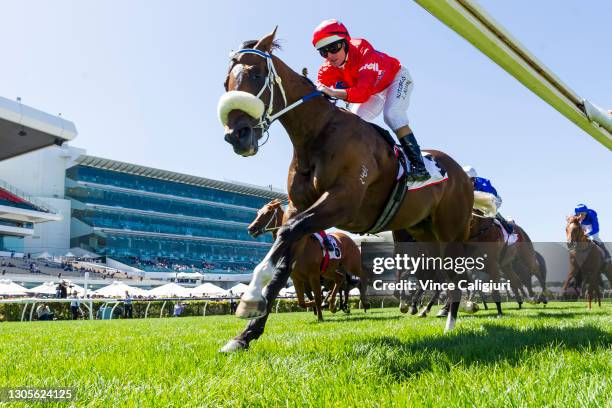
[[272, 79], [574, 245]]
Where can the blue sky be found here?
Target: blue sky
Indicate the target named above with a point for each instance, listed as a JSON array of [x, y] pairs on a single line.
[[141, 80]]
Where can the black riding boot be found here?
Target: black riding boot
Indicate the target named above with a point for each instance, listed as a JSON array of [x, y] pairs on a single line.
[[604, 249], [507, 226], [413, 151]]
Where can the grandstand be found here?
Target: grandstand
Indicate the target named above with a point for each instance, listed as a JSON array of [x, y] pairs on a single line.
[[145, 222], [161, 221], [18, 214]]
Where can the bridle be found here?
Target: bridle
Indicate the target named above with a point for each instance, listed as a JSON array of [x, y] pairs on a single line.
[[573, 245], [274, 227], [272, 79], [272, 221]]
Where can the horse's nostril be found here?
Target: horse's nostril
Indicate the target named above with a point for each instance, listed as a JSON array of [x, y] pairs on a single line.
[[244, 132]]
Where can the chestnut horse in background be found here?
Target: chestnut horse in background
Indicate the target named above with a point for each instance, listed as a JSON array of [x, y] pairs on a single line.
[[587, 262], [341, 175], [307, 270], [528, 264]]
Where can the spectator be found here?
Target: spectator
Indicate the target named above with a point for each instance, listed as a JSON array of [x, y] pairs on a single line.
[[178, 309], [74, 305], [58, 290], [63, 290], [44, 313], [127, 302], [233, 305]]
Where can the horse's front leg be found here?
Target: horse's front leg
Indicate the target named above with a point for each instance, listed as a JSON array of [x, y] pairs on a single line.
[[271, 275]]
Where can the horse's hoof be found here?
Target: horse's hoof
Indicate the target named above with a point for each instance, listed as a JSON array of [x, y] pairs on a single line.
[[333, 310], [233, 346], [442, 313], [520, 305], [499, 316], [251, 309], [413, 310], [403, 308], [422, 314]]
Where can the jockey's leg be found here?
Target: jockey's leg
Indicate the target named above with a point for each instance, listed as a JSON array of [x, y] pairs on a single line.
[[600, 243], [507, 226], [397, 99]]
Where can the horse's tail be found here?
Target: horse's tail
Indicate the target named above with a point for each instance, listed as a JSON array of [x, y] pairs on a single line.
[[542, 270], [485, 202]]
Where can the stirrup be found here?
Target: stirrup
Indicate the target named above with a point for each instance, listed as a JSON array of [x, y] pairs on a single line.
[[416, 175]]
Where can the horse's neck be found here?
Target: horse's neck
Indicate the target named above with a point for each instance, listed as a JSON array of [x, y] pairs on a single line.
[[299, 122]]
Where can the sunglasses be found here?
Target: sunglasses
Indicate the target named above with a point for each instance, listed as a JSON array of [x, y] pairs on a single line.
[[332, 48]]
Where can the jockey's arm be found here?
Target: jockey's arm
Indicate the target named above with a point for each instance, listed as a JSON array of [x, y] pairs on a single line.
[[334, 93], [594, 227]]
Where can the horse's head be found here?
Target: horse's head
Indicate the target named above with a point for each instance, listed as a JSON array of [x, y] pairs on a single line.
[[269, 218], [249, 97], [573, 232]]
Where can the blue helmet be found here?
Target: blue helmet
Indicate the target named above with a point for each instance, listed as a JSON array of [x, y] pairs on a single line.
[[580, 208]]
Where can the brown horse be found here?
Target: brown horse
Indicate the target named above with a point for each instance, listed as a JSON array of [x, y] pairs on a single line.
[[587, 261], [528, 264], [341, 175], [306, 271]]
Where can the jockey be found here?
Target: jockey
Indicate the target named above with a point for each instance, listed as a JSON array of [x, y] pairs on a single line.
[[590, 225], [371, 81], [484, 185]]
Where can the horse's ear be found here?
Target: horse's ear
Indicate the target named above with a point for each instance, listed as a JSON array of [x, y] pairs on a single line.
[[265, 44]]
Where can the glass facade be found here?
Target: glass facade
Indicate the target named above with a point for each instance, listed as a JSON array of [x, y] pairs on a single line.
[[163, 225]]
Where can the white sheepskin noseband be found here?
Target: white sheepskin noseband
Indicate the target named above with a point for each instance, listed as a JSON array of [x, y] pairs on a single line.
[[244, 101]]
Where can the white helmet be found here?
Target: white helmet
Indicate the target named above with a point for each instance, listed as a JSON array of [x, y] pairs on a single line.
[[470, 171]]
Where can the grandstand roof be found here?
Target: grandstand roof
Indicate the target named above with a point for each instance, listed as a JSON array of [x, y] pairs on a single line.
[[24, 129], [234, 187]]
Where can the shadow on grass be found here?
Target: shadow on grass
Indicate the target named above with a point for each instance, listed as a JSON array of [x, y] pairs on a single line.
[[533, 314], [401, 359], [359, 316]]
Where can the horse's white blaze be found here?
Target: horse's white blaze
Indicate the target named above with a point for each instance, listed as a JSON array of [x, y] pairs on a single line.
[[262, 275], [244, 101]]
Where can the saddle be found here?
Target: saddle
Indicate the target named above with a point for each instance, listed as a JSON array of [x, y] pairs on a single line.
[[401, 185]]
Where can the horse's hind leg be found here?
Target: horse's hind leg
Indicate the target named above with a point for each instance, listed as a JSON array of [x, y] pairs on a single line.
[[483, 297], [315, 285], [433, 300]]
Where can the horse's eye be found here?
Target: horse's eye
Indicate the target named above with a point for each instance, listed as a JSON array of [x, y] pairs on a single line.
[[255, 74]]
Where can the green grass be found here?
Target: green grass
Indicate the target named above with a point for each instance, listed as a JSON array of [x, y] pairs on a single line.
[[558, 356]]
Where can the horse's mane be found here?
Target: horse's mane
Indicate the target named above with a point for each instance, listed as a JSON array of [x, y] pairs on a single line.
[[252, 43]]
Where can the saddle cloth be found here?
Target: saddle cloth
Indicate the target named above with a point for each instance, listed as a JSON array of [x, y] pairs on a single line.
[[509, 239], [437, 174], [327, 255], [336, 253]]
